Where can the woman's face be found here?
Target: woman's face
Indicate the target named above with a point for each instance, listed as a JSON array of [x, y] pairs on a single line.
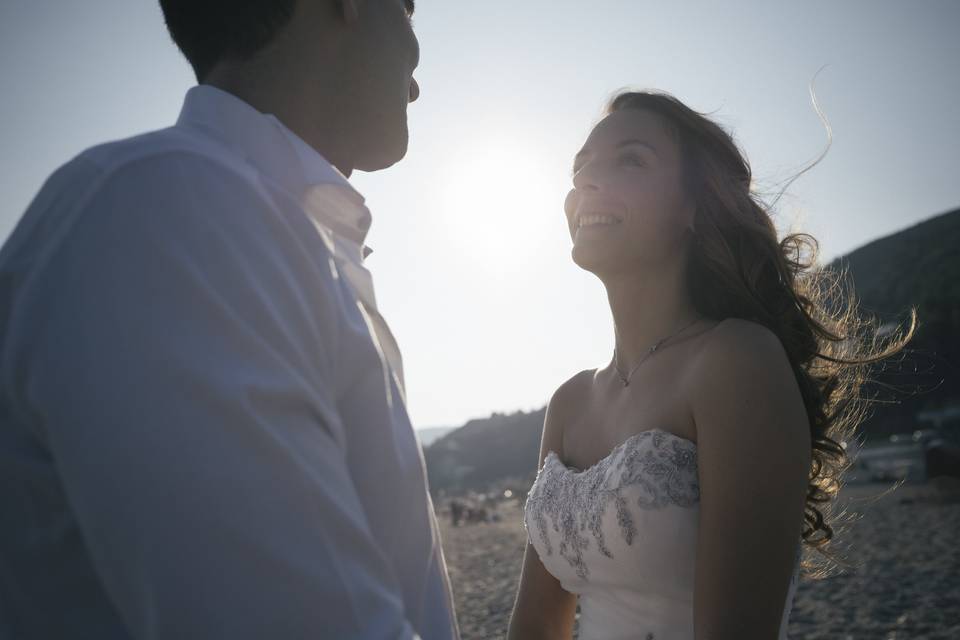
[[627, 210]]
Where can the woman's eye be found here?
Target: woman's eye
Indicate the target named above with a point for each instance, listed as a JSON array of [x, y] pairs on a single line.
[[632, 159]]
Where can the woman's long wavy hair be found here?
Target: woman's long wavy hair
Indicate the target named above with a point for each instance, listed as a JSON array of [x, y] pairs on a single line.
[[738, 268]]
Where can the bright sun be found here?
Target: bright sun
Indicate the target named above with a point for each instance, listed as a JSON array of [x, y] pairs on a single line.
[[498, 203]]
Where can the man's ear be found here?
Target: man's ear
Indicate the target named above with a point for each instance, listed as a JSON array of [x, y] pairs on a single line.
[[349, 10]]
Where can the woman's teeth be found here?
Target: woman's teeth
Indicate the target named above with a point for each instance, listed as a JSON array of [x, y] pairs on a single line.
[[597, 219]]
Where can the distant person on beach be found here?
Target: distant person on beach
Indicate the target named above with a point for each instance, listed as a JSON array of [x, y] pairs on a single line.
[[679, 483], [203, 430]]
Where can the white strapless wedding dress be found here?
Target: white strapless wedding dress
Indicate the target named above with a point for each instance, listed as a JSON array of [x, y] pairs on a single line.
[[622, 535]]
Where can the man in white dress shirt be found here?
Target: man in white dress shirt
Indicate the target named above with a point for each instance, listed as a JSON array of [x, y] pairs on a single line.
[[203, 430]]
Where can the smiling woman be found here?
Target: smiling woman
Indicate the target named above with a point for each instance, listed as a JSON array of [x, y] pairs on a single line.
[[504, 203], [674, 499]]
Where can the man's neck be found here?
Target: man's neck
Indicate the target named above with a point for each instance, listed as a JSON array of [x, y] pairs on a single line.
[[277, 95]]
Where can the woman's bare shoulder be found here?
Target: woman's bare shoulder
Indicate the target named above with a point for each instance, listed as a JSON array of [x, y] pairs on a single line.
[[574, 390], [744, 378], [566, 402], [735, 343]]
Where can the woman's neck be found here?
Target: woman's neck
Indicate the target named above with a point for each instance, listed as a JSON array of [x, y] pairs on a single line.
[[645, 310]]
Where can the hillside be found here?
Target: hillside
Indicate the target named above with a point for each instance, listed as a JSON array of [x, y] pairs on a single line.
[[431, 434], [487, 451], [919, 267]]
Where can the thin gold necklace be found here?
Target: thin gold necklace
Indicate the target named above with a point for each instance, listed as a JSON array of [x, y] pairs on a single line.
[[625, 379]]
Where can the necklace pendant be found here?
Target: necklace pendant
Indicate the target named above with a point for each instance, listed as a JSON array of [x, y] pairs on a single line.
[[626, 383]]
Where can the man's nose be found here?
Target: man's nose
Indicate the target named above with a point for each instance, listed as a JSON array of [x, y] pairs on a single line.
[[414, 90]]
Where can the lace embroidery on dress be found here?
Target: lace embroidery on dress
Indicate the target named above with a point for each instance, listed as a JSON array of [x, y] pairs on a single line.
[[575, 501]]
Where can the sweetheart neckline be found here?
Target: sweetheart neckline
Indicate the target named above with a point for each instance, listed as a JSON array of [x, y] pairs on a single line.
[[552, 455]]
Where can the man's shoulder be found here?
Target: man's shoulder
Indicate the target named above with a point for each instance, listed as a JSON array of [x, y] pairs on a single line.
[[172, 160], [132, 174], [175, 172], [171, 146], [163, 187]]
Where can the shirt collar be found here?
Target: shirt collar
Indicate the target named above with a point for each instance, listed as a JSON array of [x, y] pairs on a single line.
[[265, 142]]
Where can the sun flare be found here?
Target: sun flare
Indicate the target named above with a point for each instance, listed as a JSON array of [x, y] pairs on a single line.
[[499, 203]]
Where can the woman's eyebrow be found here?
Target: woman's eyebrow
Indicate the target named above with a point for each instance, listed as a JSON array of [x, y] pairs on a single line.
[[636, 141], [410, 7]]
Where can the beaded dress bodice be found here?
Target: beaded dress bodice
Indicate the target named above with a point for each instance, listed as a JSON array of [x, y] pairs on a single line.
[[622, 535]]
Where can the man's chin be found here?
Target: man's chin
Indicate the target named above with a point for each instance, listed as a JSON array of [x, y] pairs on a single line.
[[382, 157], [378, 164]]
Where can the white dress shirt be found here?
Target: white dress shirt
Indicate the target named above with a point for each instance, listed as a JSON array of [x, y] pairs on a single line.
[[339, 212], [202, 424]]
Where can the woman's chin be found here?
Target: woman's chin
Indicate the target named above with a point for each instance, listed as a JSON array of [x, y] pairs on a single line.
[[593, 258]]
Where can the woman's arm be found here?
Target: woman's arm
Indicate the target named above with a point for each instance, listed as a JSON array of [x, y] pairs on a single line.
[[754, 453], [544, 609]]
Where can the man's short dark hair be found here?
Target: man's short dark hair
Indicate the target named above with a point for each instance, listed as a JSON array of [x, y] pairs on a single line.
[[209, 30]]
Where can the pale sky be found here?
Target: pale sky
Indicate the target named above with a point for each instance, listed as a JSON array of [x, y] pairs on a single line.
[[471, 250]]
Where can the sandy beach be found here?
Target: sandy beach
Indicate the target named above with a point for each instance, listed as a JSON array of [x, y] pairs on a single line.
[[904, 544]]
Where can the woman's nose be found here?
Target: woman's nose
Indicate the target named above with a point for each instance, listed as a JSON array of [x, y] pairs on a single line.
[[585, 179]]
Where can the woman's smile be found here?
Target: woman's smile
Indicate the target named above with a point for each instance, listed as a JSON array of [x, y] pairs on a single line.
[[597, 220]]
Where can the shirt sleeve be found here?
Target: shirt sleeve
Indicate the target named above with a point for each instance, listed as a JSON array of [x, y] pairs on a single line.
[[179, 364]]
